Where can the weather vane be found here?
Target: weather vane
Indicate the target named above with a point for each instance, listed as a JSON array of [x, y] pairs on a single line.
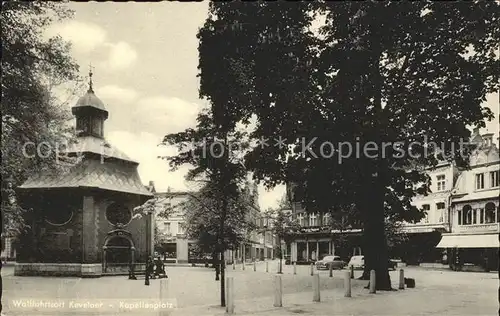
[[90, 78]]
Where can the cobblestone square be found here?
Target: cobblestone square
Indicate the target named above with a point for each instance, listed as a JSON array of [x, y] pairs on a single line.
[[193, 291]]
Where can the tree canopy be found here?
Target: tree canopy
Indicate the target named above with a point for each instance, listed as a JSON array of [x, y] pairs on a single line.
[[32, 117], [406, 74]]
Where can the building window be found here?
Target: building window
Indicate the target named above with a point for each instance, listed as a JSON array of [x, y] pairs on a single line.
[[118, 214], [326, 219], [313, 220], [426, 208], [489, 213], [494, 180], [479, 181], [167, 228], [83, 125], [58, 215], [301, 219], [96, 126], [182, 228], [441, 182], [441, 211], [465, 215]]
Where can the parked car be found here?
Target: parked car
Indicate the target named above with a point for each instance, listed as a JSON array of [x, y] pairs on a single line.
[[325, 263], [358, 262], [287, 259], [392, 264]]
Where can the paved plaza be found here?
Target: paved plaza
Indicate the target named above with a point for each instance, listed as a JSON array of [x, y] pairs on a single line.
[[193, 291]]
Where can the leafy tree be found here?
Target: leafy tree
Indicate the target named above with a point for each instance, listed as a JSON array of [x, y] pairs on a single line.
[[159, 239], [155, 205], [342, 221], [282, 225], [32, 66], [202, 216], [358, 82], [214, 151]]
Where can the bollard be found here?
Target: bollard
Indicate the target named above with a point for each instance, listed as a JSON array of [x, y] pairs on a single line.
[[312, 269], [278, 291], [295, 268], [330, 266], [254, 266], [373, 287], [163, 297], [401, 279], [316, 295], [243, 265], [234, 265], [352, 272], [347, 284], [230, 295], [267, 266]]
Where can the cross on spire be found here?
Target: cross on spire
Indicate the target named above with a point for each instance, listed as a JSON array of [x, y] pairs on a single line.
[[90, 78]]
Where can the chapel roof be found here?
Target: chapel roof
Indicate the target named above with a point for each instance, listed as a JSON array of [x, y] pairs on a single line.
[[89, 99], [102, 166], [92, 173]]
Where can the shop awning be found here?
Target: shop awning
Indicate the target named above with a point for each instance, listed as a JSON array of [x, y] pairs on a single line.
[[469, 241]]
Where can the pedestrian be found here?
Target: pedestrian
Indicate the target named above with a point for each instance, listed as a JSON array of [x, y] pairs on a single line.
[[486, 264], [150, 268], [160, 269]]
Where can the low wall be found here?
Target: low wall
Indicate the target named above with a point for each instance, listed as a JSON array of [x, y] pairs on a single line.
[[434, 265], [58, 269], [124, 269], [472, 268]]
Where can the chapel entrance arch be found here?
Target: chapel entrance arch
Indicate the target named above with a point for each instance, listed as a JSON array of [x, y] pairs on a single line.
[[118, 250]]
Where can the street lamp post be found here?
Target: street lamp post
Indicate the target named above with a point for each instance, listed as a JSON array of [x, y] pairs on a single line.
[[148, 238]]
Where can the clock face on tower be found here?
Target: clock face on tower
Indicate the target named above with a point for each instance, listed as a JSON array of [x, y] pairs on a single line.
[[118, 214]]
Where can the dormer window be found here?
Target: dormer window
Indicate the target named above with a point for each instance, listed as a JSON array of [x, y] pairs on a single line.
[[313, 220], [488, 139]]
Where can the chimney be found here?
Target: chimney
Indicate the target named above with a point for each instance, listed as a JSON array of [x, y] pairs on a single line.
[[476, 138], [488, 139], [168, 189], [151, 184]]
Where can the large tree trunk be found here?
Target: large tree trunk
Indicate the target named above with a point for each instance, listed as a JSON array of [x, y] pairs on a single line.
[[372, 200], [374, 240]]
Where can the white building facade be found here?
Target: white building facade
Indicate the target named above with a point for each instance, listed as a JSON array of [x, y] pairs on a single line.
[[176, 247], [424, 236], [174, 244], [473, 241]]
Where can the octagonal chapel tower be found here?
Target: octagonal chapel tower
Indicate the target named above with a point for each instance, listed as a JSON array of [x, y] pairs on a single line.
[[82, 220]]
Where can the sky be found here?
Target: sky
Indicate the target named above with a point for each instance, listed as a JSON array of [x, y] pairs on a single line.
[[144, 58]]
